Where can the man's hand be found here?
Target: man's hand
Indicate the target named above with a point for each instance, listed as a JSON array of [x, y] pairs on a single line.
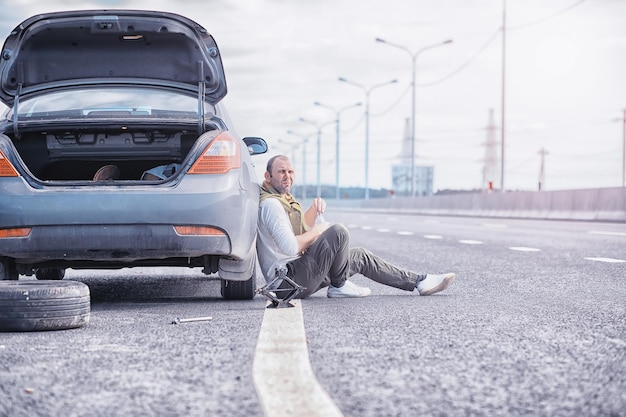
[[319, 205]]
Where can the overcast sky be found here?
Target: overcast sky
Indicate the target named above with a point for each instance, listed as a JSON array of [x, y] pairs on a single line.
[[565, 81]]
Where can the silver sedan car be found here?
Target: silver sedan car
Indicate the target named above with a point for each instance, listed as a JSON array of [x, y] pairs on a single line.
[[116, 150]]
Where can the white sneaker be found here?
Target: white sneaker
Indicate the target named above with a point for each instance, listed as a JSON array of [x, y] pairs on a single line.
[[434, 283], [348, 290]]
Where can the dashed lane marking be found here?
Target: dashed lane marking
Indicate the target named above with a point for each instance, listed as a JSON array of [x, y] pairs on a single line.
[[606, 233], [405, 233], [383, 230], [524, 249], [434, 237], [282, 372], [471, 242], [609, 260]]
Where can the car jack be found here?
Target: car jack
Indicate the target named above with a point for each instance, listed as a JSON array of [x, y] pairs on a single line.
[[271, 289]]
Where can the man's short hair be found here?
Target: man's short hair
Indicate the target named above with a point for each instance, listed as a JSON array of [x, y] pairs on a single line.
[[270, 163]]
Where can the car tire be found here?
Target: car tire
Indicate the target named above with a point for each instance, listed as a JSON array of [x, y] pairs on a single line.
[[27, 306], [54, 274], [239, 290], [8, 269]]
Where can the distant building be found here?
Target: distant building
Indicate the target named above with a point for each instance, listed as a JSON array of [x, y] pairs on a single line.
[[401, 172], [402, 180]]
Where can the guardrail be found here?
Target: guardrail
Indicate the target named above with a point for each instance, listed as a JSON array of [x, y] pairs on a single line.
[[601, 204]]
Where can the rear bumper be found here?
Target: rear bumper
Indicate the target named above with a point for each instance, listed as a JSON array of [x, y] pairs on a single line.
[[113, 243], [127, 224]]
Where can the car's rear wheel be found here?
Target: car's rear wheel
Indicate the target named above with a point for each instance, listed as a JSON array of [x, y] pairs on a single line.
[[43, 305], [50, 274], [8, 269], [239, 290]]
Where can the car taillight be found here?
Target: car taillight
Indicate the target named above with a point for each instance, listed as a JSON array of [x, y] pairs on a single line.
[[17, 232], [6, 169], [219, 157], [198, 231]]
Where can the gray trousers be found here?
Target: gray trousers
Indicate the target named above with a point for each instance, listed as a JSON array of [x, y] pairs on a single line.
[[330, 260]]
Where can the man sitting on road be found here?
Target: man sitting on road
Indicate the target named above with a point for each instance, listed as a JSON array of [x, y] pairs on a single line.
[[318, 254]]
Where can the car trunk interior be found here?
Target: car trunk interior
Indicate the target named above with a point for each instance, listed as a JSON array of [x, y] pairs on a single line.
[[78, 155]]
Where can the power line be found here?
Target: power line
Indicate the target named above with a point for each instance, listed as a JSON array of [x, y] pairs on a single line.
[[489, 41], [493, 37], [549, 17], [476, 55], [469, 61], [358, 122], [394, 104]]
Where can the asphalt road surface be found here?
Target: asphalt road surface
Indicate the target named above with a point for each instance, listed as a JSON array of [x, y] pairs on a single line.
[[534, 325]]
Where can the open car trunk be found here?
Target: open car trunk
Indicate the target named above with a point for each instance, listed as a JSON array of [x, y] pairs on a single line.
[[76, 155]]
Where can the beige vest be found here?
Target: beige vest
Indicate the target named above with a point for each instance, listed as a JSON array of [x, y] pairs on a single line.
[[291, 206]]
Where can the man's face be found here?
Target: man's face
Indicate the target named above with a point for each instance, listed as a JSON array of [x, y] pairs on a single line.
[[281, 177]]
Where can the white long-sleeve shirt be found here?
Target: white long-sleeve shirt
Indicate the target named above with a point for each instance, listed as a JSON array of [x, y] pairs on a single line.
[[277, 242]]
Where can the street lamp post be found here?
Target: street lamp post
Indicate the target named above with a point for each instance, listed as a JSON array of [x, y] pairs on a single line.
[[413, 56], [367, 91], [319, 149], [624, 151], [338, 115], [304, 141], [293, 147]]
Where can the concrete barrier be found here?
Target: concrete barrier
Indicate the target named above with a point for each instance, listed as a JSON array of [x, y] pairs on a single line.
[[600, 204]]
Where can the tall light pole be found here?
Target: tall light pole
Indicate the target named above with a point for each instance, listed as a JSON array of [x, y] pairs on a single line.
[[319, 149], [338, 114], [293, 147], [624, 151], [503, 98], [367, 91], [304, 141], [413, 56]]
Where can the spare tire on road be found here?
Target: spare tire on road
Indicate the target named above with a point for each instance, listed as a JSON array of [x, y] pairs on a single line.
[[43, 305]]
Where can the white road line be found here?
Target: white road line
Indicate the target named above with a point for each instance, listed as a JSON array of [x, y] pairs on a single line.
[[471, 242], [366, 227], [383, 230], [602, 232], [609, 260], [282, 372], [433, 237], [405, 233], [524, 249]]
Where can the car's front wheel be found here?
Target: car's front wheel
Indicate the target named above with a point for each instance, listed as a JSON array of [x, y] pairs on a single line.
[[239, 290]]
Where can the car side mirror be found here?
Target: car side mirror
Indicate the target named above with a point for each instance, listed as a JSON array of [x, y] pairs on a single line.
[[256, 146]]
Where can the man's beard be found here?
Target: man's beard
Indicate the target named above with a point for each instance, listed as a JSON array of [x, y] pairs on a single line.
[[285, 188]]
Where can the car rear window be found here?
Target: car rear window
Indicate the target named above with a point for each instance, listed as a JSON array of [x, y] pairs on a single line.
[[111, 102]]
